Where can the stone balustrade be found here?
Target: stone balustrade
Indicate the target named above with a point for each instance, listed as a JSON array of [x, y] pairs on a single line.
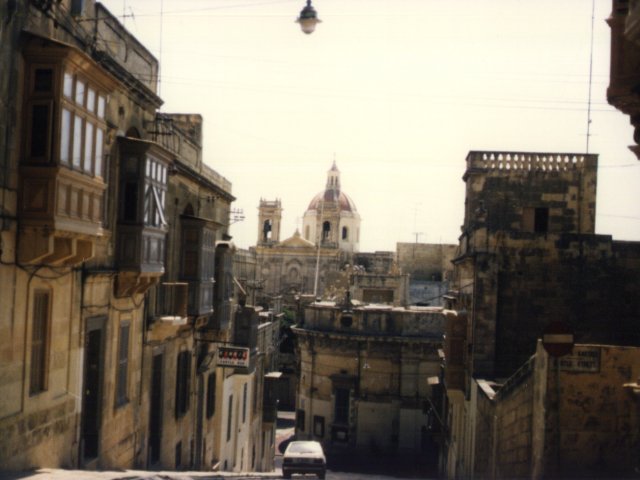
[[527, 162]]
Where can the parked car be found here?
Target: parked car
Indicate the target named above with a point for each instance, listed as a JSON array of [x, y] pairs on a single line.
[[304, 456]]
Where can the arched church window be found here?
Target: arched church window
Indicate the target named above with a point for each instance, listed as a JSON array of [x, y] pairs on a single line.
[[326, 229], [345, 233], [266, 230], [306, 232], [293, 275]]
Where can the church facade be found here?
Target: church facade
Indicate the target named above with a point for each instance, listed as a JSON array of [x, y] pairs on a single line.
[[304, 262]]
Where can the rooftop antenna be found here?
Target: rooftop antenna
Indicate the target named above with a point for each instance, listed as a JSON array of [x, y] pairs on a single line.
[[593, 7]]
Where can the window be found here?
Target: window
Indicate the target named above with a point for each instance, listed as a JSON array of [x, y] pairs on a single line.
[[229, 416], [183, 374], [65, 137], [341, 410], [82, 125], [300, 420], [65, 122], [178, 455], [123, 366], [155, 189], [318, 426], [266, 230], [345, 233], [211, 395], [39, 342], [535, 219], [40, 132], [244, 403], [541, 222], [326, 229], [43, 80]]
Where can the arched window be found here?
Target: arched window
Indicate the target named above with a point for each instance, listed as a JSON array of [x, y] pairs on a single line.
[[345, 233], [133, 132], [306, 232], [326, 229], [266, 230]]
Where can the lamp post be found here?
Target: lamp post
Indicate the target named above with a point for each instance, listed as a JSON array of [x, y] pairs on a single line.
[[308, 18]]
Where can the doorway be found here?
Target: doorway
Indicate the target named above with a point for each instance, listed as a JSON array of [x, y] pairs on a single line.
[[92, 391], [155, 410]]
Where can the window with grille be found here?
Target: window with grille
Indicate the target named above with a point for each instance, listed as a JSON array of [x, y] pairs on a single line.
[[39, 342]]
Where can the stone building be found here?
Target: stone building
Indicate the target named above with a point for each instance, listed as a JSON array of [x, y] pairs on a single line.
[[302, 263], [528, 256], [430, 268], [113, 230], [331, 218], [625, 64], [363, 373], [426, 261], [555, 418]]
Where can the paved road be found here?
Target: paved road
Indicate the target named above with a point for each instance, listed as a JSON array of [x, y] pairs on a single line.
[[340, 470]]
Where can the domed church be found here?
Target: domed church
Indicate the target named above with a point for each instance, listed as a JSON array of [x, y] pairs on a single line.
[[332, 218], [330, 236]]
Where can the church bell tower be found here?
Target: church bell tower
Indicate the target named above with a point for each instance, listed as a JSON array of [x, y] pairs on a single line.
[[269, 217]]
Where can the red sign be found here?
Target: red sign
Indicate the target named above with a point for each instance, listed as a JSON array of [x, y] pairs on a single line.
[[557, 339], [233, 357]]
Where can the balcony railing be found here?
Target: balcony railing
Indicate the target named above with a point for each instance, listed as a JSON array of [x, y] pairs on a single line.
[[529, 161]]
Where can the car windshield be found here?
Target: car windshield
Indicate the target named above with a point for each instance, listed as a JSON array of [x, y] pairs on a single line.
[[303, 447]]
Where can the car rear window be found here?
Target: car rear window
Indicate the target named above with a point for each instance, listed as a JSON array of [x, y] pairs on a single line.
[[304, 447]]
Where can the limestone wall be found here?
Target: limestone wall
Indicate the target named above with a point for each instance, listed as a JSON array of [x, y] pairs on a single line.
[[573, 417], [597, 417], [513, 429], [426, 261]]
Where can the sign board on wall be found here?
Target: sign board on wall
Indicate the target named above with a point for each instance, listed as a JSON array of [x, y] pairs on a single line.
[[233, 357], [584, 360]]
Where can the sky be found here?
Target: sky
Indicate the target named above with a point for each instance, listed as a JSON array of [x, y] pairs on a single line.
[[397, 92]]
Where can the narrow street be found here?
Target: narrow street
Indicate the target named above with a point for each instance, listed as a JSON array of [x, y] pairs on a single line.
[[338, 470]]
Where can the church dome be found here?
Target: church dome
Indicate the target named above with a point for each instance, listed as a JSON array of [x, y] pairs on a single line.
[[331, 219], [346, 204]]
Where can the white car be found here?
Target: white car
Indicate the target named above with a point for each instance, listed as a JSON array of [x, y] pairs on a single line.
[[304, 456]]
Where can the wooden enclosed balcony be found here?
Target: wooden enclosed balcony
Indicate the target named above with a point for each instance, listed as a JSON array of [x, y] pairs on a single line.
[[60, 215]]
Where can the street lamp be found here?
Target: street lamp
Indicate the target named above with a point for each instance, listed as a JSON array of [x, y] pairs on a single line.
[[308, 18]]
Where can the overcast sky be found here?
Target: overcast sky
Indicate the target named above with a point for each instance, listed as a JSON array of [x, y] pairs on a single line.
[[397, 91]]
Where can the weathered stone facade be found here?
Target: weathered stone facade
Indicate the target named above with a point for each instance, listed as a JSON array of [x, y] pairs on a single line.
[[528, 256], [113, 230], [573, 417], [426, 261], [624, 76], [363, 373]]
